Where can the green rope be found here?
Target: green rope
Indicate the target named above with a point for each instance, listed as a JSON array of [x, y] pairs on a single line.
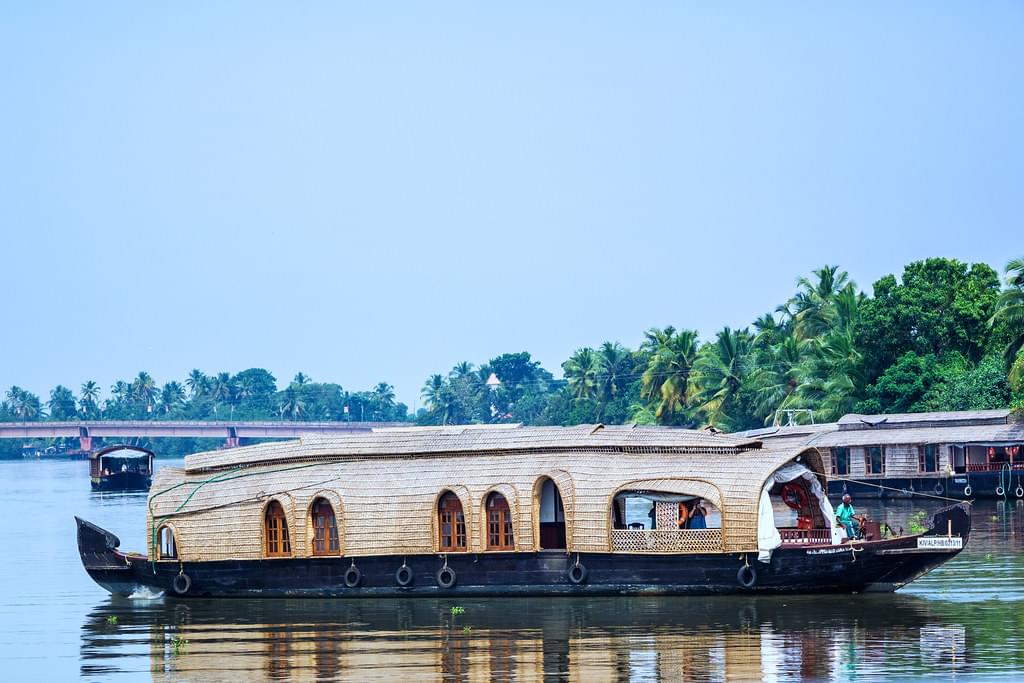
[[217, 478]]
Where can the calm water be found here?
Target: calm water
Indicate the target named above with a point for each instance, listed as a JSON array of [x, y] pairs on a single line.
[[964, 620]]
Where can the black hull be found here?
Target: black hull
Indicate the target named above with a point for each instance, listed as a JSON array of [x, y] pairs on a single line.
[[982, 485], [874, 566], [122, 481]]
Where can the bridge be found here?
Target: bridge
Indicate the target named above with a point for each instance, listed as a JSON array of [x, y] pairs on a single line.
[[231, 431]]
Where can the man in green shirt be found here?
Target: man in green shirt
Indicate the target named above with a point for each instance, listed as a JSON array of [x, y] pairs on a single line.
[[845, 516]]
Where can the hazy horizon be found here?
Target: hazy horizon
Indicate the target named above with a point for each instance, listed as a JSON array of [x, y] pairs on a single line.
[[375, 194]]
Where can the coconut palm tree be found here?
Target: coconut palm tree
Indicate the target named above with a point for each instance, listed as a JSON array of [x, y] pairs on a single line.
[[776, 375], [172, 396], [613, 364], [665, 384], [432, 392], [197, 383], [1010, 310], [292, 406], [89, 402], [62, 404], [581, 371], [143, 390], [720, 371], [812, 308], [25, 405], [301, 379]]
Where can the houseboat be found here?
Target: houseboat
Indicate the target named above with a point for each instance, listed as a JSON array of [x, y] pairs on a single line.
[[963, 455], [121, 468], [505, 510]]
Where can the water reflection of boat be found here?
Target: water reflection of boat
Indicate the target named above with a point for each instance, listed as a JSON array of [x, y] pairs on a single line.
[[121, 468], [588, 510], [505, 639]]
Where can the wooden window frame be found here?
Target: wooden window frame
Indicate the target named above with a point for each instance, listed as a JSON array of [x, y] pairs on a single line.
[[500, 535], [160, 543], [835, 461], [326, 538], [922, 458], [881, 461], [451, 515], [276, 539]]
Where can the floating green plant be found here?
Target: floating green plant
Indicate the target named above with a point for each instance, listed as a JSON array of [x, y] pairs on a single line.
[[178, 645], [112, 620], [456, 610]]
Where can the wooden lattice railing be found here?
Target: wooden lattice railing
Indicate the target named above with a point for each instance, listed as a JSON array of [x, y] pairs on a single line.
[[806, 535], [667, 540]]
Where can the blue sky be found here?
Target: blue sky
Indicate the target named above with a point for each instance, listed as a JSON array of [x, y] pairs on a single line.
[[376, 193]]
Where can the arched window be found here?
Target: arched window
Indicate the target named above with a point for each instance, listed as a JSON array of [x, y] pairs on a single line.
[[499, 523], [276, 528], [168, 550], [325, 529], [451, 523]]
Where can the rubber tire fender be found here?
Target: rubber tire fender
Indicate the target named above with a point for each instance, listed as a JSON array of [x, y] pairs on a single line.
[[746, 576], [938, 489], [353, 577], [404, 576], [182, 583], [578, 574], [446, 577]]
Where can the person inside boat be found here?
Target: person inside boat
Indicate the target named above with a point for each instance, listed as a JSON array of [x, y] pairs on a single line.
[[698, 514], [846, 515], [684, 516]]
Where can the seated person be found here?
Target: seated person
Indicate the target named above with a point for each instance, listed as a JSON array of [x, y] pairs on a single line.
[[846, 516], [684, 515]]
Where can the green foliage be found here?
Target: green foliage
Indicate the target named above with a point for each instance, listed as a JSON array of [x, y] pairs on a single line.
[[178, 645], [112, 620], [457, 610], [915, 523], [939, 306], [941, 337]]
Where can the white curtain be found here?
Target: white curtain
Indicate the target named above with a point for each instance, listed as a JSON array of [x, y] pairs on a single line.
[[768, 538]]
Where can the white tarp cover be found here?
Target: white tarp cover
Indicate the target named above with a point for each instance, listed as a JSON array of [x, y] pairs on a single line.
[[768, 538]]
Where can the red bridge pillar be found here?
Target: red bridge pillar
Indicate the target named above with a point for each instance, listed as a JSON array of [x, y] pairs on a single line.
[[84, 440], [232, 440]]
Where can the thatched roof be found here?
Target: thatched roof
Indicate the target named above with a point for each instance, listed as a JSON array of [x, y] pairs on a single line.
[[982, 434], [471, 439], [384, 486]]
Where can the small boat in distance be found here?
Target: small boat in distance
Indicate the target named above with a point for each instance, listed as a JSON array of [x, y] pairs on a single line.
[[506, 510], [121, 468]]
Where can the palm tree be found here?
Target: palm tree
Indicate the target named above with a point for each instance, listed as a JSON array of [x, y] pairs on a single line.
[[222, 389], [581, 372], [301, 379], [90, 399], [292, 406], [25, 405], [172, 396], [143, 390], [613, 361], [720, 371], [777, 375], [62, 404], [432, 392], [463, 369], [197, 383], [666, 381], [1010, 310], [812, 308]]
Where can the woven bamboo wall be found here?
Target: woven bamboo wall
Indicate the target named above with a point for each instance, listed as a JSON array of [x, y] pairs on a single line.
[[386, 505]]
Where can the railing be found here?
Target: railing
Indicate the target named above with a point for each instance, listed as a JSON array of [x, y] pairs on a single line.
[[806, 535], [667, 540], [994, 466]]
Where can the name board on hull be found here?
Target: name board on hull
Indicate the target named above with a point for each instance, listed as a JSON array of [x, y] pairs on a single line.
[[940, 542]]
